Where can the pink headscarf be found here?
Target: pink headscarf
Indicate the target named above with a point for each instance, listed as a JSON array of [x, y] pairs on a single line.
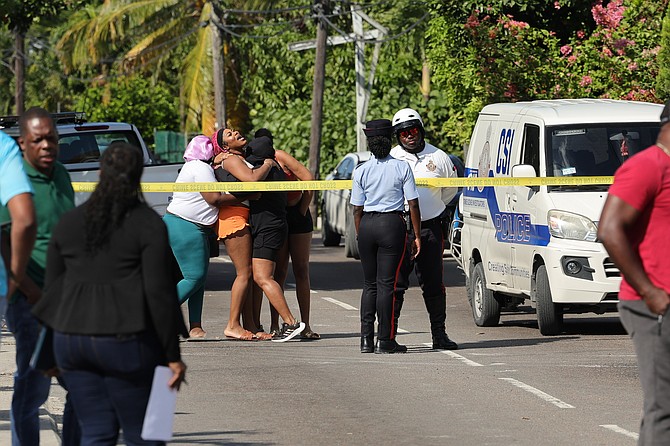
[[200, 148]]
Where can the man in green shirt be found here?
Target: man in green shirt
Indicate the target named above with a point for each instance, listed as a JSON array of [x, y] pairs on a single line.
[[53, 196]]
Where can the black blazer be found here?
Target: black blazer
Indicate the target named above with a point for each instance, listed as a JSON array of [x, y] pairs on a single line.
[[127, 287]]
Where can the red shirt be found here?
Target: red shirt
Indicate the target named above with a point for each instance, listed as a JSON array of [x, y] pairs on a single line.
[[644, 183]]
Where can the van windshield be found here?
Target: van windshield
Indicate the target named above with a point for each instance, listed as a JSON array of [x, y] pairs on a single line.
[[595, 150]]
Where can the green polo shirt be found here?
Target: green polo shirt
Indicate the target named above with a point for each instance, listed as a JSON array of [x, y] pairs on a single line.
[[53, 196]]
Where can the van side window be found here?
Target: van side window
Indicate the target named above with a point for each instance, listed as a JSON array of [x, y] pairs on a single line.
[[531, 146]]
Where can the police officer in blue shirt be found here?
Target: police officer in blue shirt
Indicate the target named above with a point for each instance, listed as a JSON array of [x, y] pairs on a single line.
[[379, 190]]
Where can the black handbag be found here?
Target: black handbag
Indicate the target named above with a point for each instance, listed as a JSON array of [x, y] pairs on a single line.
[[43, 358]]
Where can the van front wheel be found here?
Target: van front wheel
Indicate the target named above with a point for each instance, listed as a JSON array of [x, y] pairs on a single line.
[[549, 314], [485, 306]]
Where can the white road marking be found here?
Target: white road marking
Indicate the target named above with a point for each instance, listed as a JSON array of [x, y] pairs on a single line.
[[341, 304], [220, 260], [538, 393], [620, 430], [463, 359]]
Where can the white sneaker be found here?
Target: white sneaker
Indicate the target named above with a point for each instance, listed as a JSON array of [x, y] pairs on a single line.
[[289, 332]]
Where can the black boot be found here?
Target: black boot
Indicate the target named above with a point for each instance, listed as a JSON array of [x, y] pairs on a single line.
[[442, 342], [390, 346], [367, 344]]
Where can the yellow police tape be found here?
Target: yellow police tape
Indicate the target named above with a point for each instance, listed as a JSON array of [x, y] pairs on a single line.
[[262, 186]]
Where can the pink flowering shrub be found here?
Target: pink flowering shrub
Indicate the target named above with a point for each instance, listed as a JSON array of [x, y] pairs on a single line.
[[490, 55], [608, 16], [607, 63]]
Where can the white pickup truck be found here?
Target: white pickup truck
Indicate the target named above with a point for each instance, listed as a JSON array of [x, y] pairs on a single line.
[[81, 144]]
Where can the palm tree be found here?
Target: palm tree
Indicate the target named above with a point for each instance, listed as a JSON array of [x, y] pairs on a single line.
[[147, 35]]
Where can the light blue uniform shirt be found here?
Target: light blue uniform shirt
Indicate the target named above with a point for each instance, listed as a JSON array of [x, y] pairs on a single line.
[[383, 185], [13, 181]]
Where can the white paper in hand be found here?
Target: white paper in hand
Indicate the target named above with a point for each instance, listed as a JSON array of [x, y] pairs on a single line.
[[159, 417]]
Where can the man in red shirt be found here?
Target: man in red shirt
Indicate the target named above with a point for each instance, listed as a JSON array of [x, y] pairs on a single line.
[[633, 227]]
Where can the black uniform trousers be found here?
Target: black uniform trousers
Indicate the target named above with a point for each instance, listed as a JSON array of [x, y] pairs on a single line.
[[428, 268], [381, 245]]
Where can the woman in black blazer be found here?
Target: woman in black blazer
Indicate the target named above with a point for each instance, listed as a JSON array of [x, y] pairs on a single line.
[[111, 298]]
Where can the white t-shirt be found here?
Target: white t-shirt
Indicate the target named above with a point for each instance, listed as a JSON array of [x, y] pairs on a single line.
[[192, 206], [431, 162]]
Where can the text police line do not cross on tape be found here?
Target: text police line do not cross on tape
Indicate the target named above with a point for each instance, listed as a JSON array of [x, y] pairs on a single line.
[[263, 186]]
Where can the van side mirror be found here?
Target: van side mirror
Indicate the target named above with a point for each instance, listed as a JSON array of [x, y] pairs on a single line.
[[523, 171]]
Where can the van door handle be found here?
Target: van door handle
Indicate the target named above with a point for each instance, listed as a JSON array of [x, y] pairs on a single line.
[[514, 199]]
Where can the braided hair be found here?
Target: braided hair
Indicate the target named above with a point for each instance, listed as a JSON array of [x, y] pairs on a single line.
[[379, 145], [118, 191]]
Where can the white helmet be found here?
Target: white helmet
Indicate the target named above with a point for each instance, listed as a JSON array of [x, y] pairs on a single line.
[[406, 118]]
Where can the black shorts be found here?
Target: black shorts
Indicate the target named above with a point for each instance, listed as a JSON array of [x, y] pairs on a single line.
[[268, 241], [298, 223]]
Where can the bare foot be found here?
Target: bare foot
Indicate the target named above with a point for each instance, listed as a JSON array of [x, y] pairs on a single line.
[[263, 336], [239, 334], [197, 333]]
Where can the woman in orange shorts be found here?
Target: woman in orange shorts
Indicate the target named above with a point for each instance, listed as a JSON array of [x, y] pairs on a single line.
[[233, 225]]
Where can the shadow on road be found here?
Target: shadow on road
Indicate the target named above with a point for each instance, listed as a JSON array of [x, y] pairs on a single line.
[[498, 343], [573, 325], [208, 438]]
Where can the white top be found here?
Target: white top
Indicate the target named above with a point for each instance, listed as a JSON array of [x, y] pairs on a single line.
[[431, 162], [192, 206]]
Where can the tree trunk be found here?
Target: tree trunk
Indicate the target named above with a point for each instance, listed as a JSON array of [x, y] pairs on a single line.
[[19, 71], [317, 99], [219, 75]]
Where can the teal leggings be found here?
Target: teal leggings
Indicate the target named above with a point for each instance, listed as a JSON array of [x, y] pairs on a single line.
[[191, 249]]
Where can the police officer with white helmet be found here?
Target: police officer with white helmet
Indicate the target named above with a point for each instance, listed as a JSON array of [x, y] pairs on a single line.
[[426, 161]]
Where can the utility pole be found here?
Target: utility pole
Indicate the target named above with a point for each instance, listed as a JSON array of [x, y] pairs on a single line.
[[320, 8], [218, 68], [363, 85]]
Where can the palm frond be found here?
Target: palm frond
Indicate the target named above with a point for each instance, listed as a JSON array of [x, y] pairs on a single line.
[[117, 17], [74, 47], [197, 81], [159, 43]]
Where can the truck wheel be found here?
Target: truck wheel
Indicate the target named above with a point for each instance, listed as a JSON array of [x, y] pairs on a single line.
[[549, 314], [328, 236], [350, 242], [485, 306]]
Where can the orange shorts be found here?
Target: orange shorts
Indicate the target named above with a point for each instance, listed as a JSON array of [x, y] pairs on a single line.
[[231, 219]]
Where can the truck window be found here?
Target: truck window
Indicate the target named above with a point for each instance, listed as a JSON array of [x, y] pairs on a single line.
[[87, 147], [531, 147]]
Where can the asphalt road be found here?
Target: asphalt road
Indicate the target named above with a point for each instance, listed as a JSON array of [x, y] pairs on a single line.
[[507, 385]]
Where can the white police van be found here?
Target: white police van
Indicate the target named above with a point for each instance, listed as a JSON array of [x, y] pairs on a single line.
[[539, 243]]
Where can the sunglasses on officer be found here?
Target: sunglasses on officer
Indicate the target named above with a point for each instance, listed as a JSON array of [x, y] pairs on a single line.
[[410, 131]]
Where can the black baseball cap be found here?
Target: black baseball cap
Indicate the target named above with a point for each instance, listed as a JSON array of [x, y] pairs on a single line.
[[379, 127]]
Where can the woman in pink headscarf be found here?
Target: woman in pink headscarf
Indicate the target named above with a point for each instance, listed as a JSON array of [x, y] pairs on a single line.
[[189, 220]]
